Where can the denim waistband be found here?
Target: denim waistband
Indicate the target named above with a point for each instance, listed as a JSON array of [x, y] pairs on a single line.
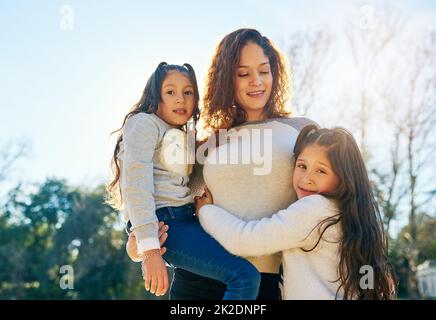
[[186, 211], [182, 212]]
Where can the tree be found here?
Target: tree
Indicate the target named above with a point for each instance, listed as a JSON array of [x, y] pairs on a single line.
[[10, 153], [391, 81], [425, 244], [29, 223], [412, 93], [56, 225], [309, 55], [369, 38]]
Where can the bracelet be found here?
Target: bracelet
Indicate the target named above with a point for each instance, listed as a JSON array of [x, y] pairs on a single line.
[[145, 256], [153, 252]]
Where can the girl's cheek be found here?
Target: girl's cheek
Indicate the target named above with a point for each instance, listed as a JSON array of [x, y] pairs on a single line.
[[295, 179], [191, 105]]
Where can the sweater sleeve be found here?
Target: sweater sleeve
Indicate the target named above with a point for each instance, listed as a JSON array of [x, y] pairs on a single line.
[[140, 137], [287, 229]]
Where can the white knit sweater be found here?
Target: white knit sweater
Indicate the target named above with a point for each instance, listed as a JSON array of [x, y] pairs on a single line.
[[306, 275], [247, 188]]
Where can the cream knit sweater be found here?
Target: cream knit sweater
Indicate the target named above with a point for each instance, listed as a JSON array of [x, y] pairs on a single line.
[[307, 275], [251, 174]]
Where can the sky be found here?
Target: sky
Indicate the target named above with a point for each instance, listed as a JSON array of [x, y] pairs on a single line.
[[72, 69]]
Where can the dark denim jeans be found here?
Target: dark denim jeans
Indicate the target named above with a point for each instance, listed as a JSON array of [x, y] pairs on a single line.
[[189, 286], [189, 247]]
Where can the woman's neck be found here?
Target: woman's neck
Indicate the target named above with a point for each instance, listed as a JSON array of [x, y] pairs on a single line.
[[255, 116]]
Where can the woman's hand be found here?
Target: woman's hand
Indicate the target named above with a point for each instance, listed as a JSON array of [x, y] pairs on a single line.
[[131, 247], [206, 198]]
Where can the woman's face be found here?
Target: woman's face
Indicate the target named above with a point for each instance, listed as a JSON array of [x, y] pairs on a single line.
[[253, 81]]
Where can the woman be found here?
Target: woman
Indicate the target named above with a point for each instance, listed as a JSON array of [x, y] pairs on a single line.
[[246, 93]]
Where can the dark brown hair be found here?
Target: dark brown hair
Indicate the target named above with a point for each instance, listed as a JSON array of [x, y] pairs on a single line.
[[363, 242], [148, 103], [218, 112]]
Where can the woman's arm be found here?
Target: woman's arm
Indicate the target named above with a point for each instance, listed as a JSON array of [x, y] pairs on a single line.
[[286, 229]]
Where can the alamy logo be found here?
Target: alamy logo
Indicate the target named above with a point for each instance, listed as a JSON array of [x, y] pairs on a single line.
[[243, 146], [67, 17], [367, 280], [66, 282], [366, 17]]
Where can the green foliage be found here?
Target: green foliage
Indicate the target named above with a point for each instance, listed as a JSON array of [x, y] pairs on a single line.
[[56, 225], [400, 249]]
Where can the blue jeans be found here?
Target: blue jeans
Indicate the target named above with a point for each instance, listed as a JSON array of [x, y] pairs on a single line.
[[189, 247], [190, 286]]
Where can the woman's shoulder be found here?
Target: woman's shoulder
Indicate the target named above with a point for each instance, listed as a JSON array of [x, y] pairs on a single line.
[[296, 122]]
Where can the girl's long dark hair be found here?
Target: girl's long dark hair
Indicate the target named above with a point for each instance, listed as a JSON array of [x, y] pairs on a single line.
[[148, 103], [363, 241]]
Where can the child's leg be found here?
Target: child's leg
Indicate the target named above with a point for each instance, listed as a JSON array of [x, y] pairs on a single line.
[[189, 247]]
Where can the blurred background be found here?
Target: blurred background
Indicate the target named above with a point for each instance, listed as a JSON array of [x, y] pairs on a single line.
[[72, 69]]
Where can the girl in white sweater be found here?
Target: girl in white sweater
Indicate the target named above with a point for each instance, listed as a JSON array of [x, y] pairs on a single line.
[[332, 238]]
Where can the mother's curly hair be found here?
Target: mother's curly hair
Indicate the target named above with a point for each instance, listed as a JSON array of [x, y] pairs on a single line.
[[218, 111]]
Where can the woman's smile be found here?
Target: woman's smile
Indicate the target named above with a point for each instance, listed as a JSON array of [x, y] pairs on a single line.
[[256, 94]]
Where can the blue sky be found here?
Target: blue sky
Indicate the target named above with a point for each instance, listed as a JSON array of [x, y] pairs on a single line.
[[65, 90]]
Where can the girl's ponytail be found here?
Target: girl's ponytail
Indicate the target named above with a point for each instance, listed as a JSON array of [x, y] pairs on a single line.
[[193, 78], [156, 83]]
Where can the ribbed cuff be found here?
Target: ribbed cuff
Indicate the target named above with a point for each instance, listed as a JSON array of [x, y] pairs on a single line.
[[147, 244]]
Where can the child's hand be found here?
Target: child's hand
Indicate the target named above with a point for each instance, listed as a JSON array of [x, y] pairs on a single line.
[[154, 273], [131, 247], [206, 198]]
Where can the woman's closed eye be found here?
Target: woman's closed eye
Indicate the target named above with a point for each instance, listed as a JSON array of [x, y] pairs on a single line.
[[246, 74]]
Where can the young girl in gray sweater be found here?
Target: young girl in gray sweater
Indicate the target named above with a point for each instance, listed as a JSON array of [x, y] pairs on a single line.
[[151, 182]]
